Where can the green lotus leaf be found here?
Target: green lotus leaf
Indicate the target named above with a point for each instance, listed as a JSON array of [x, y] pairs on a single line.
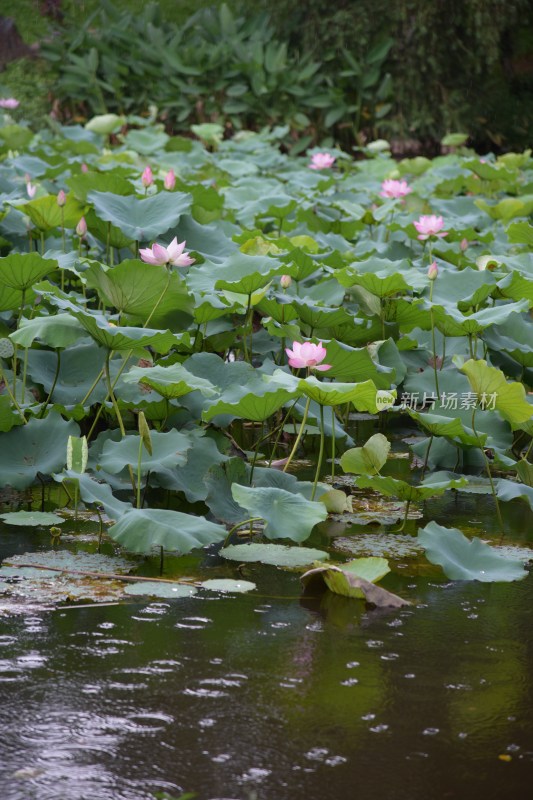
[[105, 232], [510, 490], [520, 233], [141, 219], [452, 428], [38, 446], [46, 214], [77, 454], [257, 401], [493, 391], [277, 555], [380, 277], [142, 529], [8, 416], [228, 585], [513, 337], [94, 493], [508, 208], [517, 286], [191, 478], [369, 459], [160, 589], [87, 182], [318, 316], [355, 364], [105, 123], [170, 382], [146, 141], [243, 274], [135, 288], [465, 559], [168, 450], [465, 289], [435, 484], [363, 396], [31, 518], [60, 330], [452, 322], [12, 299], [345, 580], [286, 515], [21, 270]]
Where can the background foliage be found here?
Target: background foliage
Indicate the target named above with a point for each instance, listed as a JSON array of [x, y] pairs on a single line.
[[353, 70]]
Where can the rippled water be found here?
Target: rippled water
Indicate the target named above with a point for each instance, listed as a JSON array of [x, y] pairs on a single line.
[[269, 696]]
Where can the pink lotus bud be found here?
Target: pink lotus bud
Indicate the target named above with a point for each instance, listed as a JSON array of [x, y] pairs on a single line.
[[9, 102], [464, 244], [170, 180], [61, 198], [31, 189], [81, 228], [147, 177], [433, 271], [84, 168], [285, 281]]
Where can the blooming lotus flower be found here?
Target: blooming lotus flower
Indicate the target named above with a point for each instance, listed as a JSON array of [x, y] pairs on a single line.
[[321, 161], [173, 254], [147, 177], [307, 355], [394, 189], [429, 226], [170, 180], [9, 102]]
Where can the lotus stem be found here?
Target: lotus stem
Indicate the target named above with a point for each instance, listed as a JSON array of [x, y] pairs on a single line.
[[299, 436], [333, 443], [433, 340], [320, 452], [425, 466], [116, 408], [249, 521], [487, 468]]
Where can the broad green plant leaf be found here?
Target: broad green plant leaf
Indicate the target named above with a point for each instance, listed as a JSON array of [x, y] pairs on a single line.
[[141, 219], [465, 559], [39, 446], [286, 515], [77, 454], [228, 585], [369, 459], [510, 490], [46, 214], [142, 529], [168, 450], [57, 331], [170, 382], [32, 518], [432, 486], [346, 581], [493, 391], [159, 589], [21, 271], [278, 555]]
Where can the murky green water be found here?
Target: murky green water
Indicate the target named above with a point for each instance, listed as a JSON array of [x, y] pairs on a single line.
[[273, 697]]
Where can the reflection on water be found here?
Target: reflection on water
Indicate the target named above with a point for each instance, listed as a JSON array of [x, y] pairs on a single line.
[[269, 697]]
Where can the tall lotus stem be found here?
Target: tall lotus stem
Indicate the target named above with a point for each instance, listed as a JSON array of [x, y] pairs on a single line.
[[489, 474], [320, 452], [111, 394], [432, 275], [299, 436]]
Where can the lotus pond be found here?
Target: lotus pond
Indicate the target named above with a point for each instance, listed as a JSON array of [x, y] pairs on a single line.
[[266, 473]]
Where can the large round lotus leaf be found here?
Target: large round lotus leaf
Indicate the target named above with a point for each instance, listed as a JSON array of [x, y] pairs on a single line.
[[136, 288], [141, 219], [170, 382], [363, 395], [371, 569], [491, 386], [451, 322], [46, 214], [142, 529], [354, 364], [105, 123], [60, 330], [31, 518], [87, 182], [8, 416], [256, 401], [369, 459], [168, 450], [465, 559], [160, 589], [436, 484], [286, 515], [380, 277], [278, 555], [21, 270], [228, 585], [244, 274], [38, 446], [81, 561]]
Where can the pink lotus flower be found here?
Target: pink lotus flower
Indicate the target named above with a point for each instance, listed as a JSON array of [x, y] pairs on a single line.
[[394, 189], [9, 102], [84, 168], [31, 189], [307, 355], [173, 254], [61, 198], [321, 161], [81, 228], [433, 271], [170, 180], [147, 177], [429, 226]]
